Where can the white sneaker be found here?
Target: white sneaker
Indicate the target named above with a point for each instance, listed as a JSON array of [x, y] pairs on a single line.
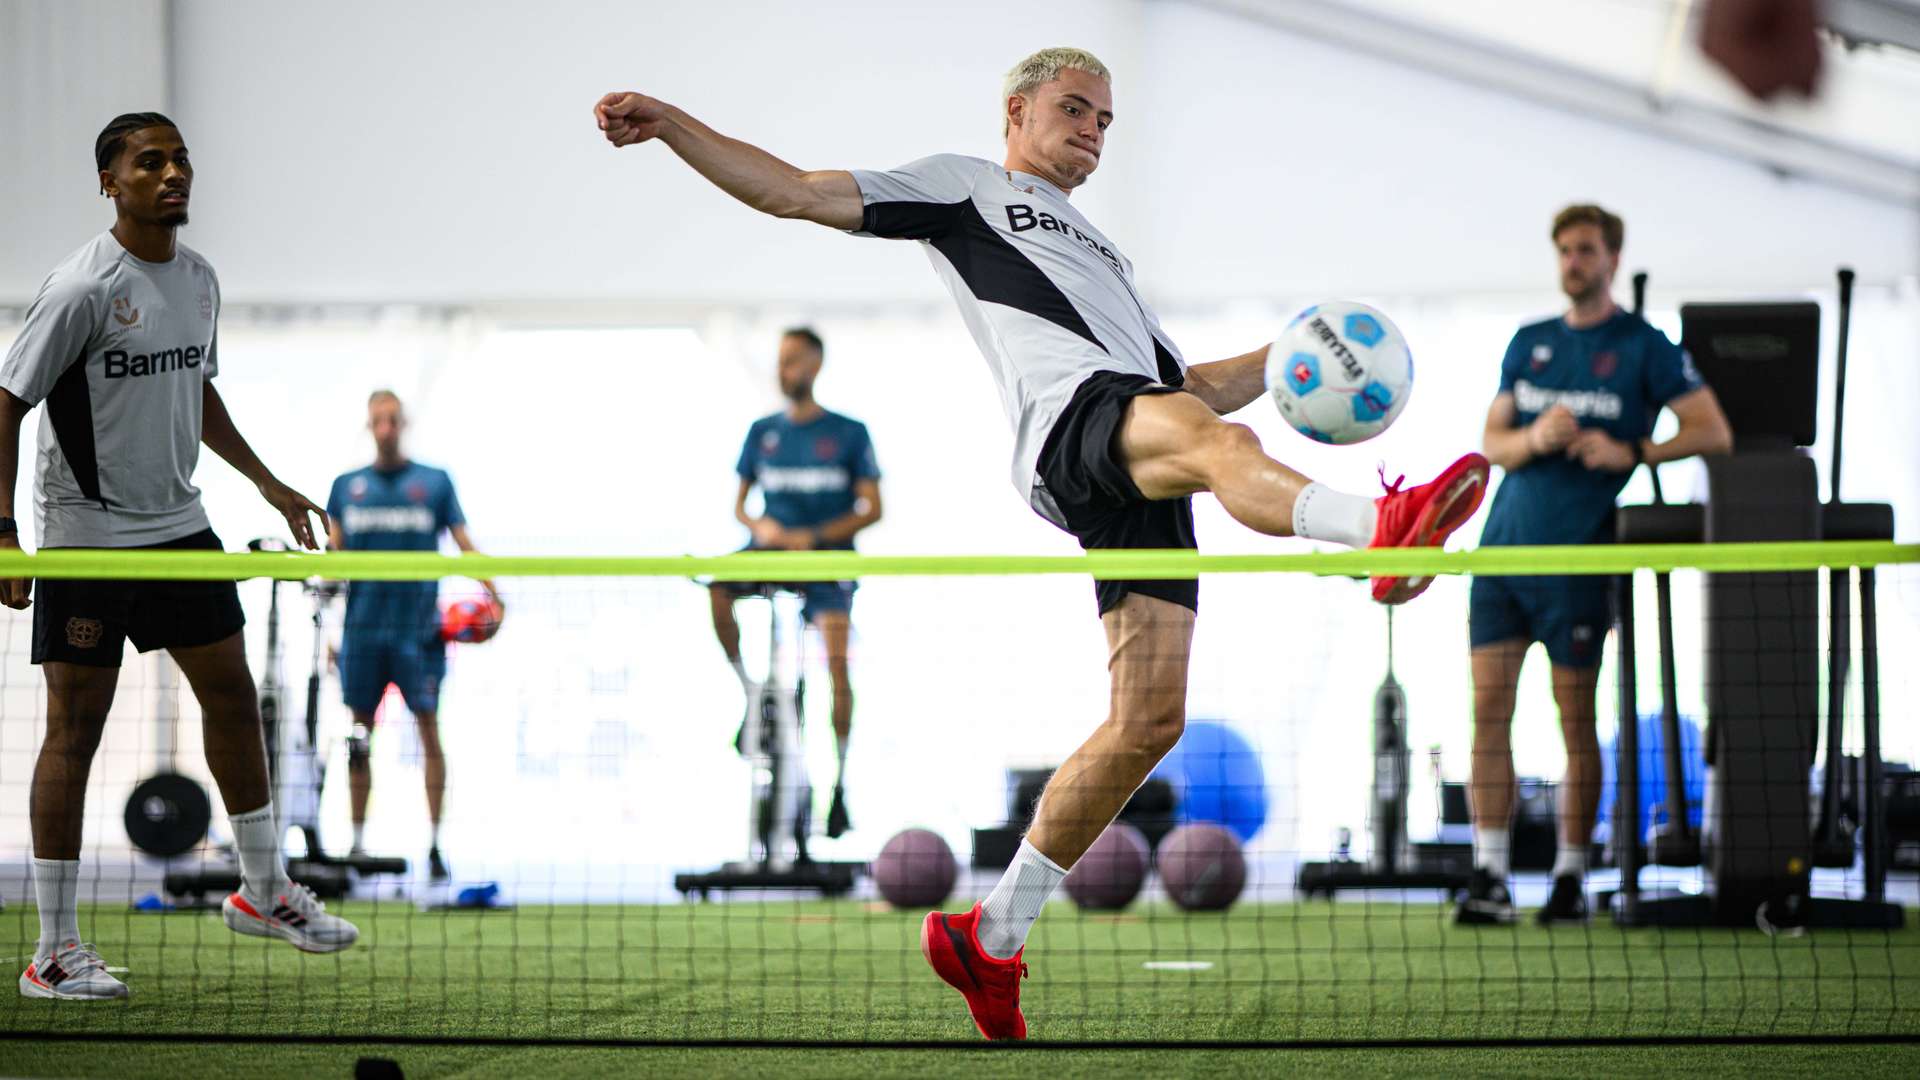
[[294, 916], [75, 973]]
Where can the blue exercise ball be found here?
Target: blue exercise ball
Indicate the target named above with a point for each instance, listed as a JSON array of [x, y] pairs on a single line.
[[1216, 778], [1653, 771]]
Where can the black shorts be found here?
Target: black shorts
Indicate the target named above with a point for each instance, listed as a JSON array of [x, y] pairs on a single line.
[[1082, 476], [89, 621]]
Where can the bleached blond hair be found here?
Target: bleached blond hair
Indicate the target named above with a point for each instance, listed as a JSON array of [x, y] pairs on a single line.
[[1044, 67]]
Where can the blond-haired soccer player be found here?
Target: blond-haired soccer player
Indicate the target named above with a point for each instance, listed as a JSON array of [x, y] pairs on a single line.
[[1113, 434]]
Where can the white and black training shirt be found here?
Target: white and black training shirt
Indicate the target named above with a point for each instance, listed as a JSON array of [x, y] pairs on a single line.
[[119, 350], [1048, 299]]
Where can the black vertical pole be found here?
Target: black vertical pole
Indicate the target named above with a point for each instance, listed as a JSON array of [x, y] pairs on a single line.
[[1873, 823], [1626, 790]]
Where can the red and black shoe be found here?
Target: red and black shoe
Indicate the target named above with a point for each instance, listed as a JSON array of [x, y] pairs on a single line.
[[951, 943], [1423, 516]]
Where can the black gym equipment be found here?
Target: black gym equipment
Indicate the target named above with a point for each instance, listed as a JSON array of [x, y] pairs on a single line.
[[1761, 665], [1393, 863], [772, 739], [294, 767], [168, 813]]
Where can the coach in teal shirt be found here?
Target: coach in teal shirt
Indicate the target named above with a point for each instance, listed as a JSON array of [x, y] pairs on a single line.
[[1574, 415]]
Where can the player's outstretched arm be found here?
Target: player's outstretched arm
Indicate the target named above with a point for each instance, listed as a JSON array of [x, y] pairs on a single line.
[[223, 438], [1230, 385], [742, 170]]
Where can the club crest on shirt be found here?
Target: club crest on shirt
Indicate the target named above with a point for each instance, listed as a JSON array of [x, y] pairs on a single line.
[[769, 442], [417, 492], [206, 305], [84, 633], [358, 488], [1542, 356], [825, 448], [1605, 363], [125, 313]]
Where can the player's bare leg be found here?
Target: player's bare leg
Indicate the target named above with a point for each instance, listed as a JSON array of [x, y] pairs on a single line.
[[1579, 794], [360, 774], [726, 628], [836, 628], [433, 766], [1175, 445], [63, 966], [1490, 788]]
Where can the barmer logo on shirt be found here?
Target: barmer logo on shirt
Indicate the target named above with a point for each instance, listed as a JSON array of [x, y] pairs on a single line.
[[121, 365], [1600, 404], [1021, 217], [387, 519]]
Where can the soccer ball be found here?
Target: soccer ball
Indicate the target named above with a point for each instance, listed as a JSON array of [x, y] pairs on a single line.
[[471, 620], [1340, 373]]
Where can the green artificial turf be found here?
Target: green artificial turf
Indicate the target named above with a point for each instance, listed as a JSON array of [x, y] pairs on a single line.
[[843, 970]]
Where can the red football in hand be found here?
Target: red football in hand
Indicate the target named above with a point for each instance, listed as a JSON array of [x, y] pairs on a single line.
[[471, 620]]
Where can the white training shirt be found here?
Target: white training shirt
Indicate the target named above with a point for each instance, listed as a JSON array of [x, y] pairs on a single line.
[[119, 350], [1048, 299]]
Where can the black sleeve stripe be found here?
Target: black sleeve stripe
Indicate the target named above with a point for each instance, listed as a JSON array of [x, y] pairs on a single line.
[[997, 273], [1170, 373], [911, 220]]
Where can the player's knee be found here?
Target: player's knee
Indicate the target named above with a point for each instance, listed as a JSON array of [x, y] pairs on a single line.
[[1153, 728], [1228, 442]]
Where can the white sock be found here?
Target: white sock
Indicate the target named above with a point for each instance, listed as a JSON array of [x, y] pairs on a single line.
[[840, 755], [1570, 860], [1009, 911], [1321, 513], [258, 840], [740, 669], [1490, 847], [56, 889], [359, 835], [435, 842]]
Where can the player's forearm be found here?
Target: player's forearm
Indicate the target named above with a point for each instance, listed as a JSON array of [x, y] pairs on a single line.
[[744, 171], [842, 529], [223, 438], [1690, 440], [1507, 447], [1230, 385], [12, 412]]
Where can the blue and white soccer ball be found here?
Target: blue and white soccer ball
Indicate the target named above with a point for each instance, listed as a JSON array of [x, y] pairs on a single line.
[[1340, 373]]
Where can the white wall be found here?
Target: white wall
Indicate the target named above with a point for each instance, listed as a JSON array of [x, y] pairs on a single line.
[[66, 68], [443, 151]]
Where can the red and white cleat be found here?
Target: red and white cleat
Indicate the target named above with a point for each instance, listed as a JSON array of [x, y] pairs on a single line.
[[294, 916], [951, 943], [75, 973], [1423, 516]]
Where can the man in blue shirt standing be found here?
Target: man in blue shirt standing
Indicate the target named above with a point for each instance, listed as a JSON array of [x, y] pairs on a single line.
[[1574, 415], [392, 634], [820, 486]]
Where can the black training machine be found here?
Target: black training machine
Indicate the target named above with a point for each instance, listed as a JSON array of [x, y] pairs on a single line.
[[779, 819], [1393, 863], [1758, 843], [295, 769]]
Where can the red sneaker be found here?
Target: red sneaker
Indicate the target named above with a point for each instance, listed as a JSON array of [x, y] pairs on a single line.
[[1423, 516], [951, 943]]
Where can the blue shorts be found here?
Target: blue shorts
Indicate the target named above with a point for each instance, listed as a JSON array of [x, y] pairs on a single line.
[[369, 663], [818, 597], [1569, 615]]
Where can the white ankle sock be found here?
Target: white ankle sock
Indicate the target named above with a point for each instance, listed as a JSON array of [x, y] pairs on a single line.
[[56, 889], [1321, 513], [740, 669], [1009, 911], [258, 840], [840, 755], [1490, 847], [359, 835], [1570, 860]]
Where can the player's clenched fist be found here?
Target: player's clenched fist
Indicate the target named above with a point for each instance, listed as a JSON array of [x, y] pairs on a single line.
[[629, 118]]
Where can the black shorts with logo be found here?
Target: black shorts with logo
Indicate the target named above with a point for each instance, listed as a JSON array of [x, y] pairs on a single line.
[[89, 621], [1082, 475]]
